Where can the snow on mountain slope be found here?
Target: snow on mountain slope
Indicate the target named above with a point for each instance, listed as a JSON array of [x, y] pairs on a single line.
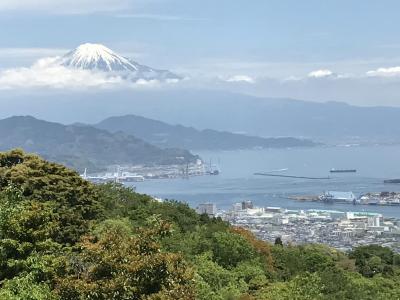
[[96, 57]]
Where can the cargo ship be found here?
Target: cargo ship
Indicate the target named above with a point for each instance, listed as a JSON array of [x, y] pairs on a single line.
[[343, 171], [392, 181]]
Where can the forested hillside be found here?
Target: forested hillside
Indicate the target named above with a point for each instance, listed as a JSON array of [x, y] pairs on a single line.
[[83, 147], [64, 238]]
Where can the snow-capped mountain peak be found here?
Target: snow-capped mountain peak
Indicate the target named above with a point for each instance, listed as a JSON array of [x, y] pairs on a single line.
[[97, 57]]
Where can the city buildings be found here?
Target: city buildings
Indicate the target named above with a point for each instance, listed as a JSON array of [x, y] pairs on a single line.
[[341, 230]]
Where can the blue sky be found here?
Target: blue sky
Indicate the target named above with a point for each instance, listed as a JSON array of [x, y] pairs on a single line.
[[261, 39]]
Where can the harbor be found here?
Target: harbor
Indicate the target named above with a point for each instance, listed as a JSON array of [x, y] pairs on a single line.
[[236, 180], [370, 198], [140, 173]]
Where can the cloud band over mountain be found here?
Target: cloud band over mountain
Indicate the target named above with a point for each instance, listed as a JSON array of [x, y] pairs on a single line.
[[95, 67], [89, 65]]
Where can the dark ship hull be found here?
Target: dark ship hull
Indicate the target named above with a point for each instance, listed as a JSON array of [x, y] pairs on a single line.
[[343, 171], [392, 181]]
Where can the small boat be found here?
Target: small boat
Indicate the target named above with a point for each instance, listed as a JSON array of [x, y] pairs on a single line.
[[212, 169], [214, 172], [343, 171]]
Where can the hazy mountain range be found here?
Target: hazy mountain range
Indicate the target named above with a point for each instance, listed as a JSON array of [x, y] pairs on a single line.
[[223, 111], [166, 136], [80, 146], [129, 140]]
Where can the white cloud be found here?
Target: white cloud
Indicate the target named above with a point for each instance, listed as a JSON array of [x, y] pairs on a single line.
[[158, 17], [323, 73], [67, 6], [46, 73], [385, 72], [145, 82], [241, 78], [359, 90]]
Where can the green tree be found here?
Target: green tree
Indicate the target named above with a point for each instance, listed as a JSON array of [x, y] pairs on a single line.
[[374, 259], [215, 282], [26, 288], [50, 184], [119, 266], [278, 242], [229, 249]]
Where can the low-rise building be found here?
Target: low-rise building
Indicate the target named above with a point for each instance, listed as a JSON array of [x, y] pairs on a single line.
[[207, 208]]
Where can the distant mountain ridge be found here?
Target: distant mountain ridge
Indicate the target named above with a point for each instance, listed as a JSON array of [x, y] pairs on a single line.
[[97, 57], [166, 135], [83, 146], [329, 123]]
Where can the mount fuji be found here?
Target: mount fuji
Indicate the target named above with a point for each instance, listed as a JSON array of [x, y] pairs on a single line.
[[96, 57]]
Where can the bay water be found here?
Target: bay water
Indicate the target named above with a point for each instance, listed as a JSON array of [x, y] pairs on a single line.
[[237, 182]]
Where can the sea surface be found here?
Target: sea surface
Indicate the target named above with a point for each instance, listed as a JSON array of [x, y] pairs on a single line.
[[237, 181]]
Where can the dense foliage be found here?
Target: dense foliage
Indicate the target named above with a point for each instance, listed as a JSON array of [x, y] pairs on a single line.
[[64, 238]]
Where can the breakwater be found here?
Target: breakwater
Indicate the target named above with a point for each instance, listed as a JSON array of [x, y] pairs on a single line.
[[292, 176]]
